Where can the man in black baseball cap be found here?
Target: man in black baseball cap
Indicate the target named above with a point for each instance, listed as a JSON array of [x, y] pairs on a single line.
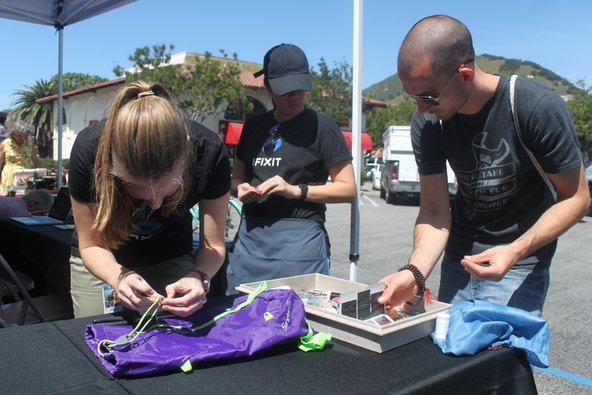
[[286, 69]]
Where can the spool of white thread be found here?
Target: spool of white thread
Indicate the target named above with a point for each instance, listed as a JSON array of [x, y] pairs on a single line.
[[442, 324]]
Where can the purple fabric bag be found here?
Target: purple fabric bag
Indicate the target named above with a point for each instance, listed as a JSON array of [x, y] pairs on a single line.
[[271, 317]]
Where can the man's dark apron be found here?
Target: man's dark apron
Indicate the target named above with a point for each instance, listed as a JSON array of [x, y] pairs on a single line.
[[268, 248]]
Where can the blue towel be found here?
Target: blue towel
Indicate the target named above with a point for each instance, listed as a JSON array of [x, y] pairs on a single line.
[[475, 325]]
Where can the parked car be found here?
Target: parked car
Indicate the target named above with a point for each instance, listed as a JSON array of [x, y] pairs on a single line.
[[370, 166], [376, 176], [369, 172]]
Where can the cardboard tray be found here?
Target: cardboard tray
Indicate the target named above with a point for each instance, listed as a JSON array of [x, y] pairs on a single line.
[[351, 330]]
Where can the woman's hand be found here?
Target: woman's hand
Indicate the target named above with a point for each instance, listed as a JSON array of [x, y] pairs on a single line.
[[193, 295], [134, 292], [278, 186], [246, 193]]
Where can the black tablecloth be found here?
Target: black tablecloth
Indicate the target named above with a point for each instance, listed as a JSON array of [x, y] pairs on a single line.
[[41, 251], [53, 357]]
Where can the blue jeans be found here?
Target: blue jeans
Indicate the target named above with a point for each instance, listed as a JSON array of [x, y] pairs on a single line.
[[524, 288]]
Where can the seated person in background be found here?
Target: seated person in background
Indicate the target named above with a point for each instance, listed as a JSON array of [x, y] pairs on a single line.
[[35, 202]]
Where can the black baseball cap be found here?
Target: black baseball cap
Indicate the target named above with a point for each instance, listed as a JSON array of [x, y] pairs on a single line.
[[286, 69]]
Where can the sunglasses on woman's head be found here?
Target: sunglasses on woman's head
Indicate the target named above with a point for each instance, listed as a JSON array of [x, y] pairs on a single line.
[[269, 146]]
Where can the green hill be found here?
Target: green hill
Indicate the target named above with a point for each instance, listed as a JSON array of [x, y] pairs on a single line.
[[390, 88]]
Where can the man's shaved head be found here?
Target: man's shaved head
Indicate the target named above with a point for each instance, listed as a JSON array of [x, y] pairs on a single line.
[[444, 41]]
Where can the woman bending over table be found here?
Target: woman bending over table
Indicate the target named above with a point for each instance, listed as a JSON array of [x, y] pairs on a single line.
[[133, 178]]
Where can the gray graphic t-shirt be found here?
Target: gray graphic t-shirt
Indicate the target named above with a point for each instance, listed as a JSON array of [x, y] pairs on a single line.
[[500, 193]]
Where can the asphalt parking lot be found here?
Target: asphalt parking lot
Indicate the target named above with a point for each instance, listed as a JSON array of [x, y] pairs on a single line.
[[385, 243]]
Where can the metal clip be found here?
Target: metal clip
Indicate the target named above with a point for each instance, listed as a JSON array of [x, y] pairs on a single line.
[[123, 340]]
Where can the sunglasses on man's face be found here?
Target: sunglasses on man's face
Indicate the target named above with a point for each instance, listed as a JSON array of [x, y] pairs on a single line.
[[269, 146], [435, 101]]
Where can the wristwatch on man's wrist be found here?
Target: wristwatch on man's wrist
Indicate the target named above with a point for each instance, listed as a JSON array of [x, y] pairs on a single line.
[[205, 280], [303, 191], [419, 280]]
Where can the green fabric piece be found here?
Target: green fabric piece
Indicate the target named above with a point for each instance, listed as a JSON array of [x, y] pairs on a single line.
[[186, 367], [267, 316], [314, 341]]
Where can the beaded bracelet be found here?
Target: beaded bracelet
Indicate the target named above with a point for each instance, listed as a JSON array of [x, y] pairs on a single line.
[[123, 274], [205, 280], [419, 280]]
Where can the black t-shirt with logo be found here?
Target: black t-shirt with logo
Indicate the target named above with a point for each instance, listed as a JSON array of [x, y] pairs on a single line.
[[500, 193], [153, 237], [304, 150]]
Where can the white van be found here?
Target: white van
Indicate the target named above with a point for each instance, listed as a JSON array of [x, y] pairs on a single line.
[[400, 178]]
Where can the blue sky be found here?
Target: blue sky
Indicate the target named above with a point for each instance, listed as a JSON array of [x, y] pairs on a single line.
[[555, 34]]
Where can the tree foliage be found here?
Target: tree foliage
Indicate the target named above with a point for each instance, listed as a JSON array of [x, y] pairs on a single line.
[[149, 63], [201, 89], [73, 81], [332, 90], [581, 110], [379, 119]]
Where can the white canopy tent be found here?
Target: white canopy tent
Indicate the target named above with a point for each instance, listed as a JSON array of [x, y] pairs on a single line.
[[57, 13]]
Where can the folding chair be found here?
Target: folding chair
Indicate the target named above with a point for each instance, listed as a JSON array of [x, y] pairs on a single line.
[[16, 312], [25, 309], [7, 288]]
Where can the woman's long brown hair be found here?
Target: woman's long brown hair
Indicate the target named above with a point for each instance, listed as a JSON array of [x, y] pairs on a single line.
[[144, 139]]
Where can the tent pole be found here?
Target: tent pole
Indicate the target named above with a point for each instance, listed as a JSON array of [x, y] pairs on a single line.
[[60, 102], [354, 251]]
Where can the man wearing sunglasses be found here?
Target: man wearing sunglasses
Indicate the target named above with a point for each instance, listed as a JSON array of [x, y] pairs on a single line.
[[284, 158], [501, 233]]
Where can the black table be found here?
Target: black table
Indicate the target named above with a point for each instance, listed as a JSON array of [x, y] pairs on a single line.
[[41, 251], [53, 357]]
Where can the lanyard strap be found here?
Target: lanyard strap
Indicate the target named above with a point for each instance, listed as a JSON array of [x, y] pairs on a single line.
[[519, 134]]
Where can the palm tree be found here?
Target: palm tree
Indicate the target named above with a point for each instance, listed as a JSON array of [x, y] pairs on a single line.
[[40, 115]]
